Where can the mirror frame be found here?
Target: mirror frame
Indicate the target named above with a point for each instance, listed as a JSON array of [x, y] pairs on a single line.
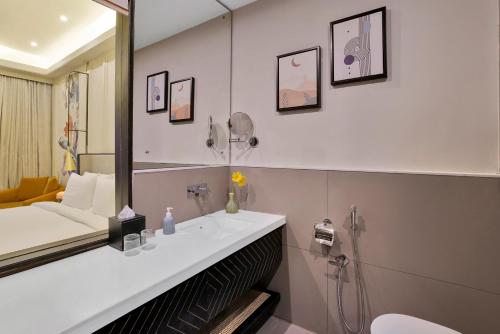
[[123, 151]]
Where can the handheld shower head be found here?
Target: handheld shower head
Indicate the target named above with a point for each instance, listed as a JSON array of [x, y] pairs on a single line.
[[354, 217]]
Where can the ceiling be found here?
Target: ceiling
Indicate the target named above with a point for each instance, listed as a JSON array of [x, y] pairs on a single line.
[[60, 29], [156, 20]]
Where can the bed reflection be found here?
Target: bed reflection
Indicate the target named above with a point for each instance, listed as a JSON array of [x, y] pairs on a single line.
[[80, 212], [57, 128]]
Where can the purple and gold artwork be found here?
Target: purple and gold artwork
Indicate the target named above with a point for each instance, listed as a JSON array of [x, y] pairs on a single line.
[[299, 80], [157, 92], [359, 47]]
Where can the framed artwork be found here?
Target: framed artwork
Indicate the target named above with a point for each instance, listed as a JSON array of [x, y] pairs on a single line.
[[299, 80], [182, 100], [359, 47], [156, 95]]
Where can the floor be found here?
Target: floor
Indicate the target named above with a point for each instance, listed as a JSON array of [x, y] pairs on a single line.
[[277, 326]]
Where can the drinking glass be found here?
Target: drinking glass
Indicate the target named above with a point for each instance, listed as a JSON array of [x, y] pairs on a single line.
[[147, 239], [131, 241]]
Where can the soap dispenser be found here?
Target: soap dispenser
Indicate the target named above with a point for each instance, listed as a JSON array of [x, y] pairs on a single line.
[[169, 222]]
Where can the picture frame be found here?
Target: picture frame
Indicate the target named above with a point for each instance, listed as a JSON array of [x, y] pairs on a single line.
[[156, 92], [359, 47], [182, 100], [298, 80]]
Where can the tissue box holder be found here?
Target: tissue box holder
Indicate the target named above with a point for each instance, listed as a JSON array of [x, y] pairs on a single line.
[[118, 228]]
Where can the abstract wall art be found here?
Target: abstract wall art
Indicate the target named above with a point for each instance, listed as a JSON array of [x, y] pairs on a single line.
[[299, 80], [73, 121], [157, 92], [359, 47], [182, 100]]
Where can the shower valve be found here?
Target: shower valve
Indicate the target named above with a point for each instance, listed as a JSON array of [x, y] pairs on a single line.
[[339, 261]]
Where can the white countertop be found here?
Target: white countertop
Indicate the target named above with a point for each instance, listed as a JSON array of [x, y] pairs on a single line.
[[83, 293]]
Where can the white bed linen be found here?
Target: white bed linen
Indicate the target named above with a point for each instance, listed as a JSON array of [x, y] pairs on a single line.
[[80, 190], [44, 223]]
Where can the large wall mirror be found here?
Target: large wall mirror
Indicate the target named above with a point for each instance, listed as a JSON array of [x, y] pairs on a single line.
[[181, 84], [57, 128], [181, 105]]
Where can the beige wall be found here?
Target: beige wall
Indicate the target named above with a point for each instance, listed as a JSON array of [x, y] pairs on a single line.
[[153, 192], [202, 52], [437, 112], [428, 245]]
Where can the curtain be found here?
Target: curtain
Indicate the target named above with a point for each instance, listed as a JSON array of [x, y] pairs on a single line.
[[25, 130], [102, 104]]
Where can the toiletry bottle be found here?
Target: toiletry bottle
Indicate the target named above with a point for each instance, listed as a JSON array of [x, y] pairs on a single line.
[[169, 222]]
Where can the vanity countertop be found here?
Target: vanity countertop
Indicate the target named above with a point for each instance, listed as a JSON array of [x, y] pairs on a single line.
[[82, 293]]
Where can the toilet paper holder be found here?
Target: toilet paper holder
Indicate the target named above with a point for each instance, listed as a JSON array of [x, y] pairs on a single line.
[[324, 232]]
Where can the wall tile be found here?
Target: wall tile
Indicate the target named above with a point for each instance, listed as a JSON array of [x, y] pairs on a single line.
[[466, 310], [298, 194], [440, 227], [443, 227], [154, 192], [302, 282]]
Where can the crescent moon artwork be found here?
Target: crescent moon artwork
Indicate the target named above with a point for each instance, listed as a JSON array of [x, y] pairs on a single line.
[[294, 64], [298, 80], [182, 100]]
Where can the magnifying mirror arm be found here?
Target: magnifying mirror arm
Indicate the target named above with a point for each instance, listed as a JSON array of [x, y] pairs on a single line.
[[253, 141]]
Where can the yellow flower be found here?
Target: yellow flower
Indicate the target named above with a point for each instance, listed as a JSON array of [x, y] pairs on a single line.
[[239, 179], [236, 176], [242, 181]]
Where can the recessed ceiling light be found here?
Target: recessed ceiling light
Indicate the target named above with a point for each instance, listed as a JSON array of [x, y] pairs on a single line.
[[34, 44], [63, 18]]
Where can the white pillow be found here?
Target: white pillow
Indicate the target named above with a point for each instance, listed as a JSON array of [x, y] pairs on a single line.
[[92, 174], [104, 196], [79, 191]]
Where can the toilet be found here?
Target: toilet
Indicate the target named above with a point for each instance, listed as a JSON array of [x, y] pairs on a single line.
[[399, 324]]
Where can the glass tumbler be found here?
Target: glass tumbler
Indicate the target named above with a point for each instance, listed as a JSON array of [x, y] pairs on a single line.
[[131, 241], [147, 236]]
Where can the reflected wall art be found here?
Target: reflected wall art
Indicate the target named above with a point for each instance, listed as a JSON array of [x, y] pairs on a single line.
[[182, 100], [156, 94]]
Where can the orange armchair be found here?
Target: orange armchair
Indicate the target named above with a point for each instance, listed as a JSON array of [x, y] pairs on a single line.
[[30, 190], [9, 195], [49, 197]]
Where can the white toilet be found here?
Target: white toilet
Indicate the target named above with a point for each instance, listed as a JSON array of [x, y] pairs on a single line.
[[404, 324]]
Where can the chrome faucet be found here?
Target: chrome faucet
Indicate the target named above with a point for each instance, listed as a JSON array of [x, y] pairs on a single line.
[[197, 190]]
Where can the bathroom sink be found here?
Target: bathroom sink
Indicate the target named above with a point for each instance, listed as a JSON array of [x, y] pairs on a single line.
[[217, 228]]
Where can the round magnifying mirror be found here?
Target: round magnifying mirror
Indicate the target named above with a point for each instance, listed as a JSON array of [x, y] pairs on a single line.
[[241, 126]]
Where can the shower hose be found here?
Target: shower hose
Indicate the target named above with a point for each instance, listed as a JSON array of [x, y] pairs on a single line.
[[359, 285]]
